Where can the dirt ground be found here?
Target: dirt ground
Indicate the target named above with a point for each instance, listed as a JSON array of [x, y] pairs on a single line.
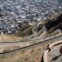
[[9, 38], [29, 55]]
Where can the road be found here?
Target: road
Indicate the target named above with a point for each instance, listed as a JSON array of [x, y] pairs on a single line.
[[48, 41], [8, 44]]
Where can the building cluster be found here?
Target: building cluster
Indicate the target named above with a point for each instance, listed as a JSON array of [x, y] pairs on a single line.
[[13, 12]]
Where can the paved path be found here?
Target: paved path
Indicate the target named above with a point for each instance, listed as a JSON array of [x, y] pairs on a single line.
[[43, 43], [55, 52]]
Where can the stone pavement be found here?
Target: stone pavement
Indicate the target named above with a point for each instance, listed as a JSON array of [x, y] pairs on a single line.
[[54, 54]]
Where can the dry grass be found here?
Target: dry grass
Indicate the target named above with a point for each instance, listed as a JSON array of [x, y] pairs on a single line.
[[9, 38]]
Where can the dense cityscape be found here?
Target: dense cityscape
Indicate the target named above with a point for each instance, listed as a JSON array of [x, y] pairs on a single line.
[[13, 12]]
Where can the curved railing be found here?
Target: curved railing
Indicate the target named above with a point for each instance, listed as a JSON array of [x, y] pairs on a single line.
[[45, 58]]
